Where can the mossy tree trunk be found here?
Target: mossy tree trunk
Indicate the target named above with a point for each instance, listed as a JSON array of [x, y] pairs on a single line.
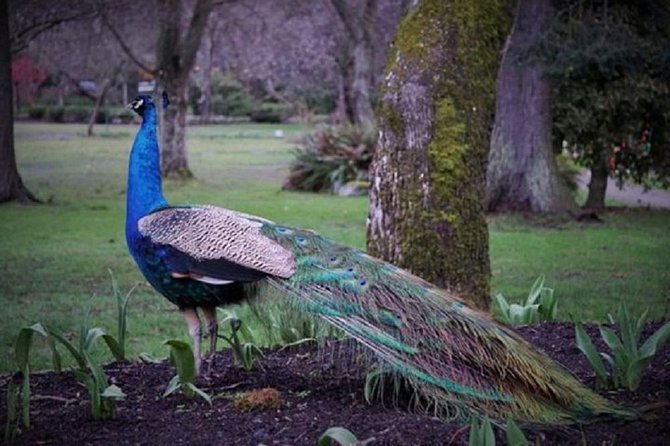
[[11, 185], [522, 173], [428, 173]]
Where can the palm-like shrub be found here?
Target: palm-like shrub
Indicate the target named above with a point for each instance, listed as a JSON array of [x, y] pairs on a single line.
[[330, 157]]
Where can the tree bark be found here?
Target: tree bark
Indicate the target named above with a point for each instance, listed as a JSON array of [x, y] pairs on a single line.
[[357, 70], [11, 184], [98, 103], [176, 57], [595, 199], [428, 172], [522, 173]]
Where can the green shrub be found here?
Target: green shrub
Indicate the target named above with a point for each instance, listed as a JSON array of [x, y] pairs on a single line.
[[627, 361], [331, 156], [540, 306], [77, 113], [37, 111], [568, 171], [271, 112], [320, 101], [55, 113], [229, 96]]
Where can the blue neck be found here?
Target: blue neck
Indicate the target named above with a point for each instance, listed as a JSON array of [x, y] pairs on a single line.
[[144, 193]]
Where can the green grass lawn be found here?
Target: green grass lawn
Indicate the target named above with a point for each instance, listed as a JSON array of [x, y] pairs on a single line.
[[55, 258]]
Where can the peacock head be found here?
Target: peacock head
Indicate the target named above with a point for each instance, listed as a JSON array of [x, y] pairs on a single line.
[[140, 104]]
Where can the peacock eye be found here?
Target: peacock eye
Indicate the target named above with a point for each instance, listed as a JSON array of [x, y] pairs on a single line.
[[363, 282]]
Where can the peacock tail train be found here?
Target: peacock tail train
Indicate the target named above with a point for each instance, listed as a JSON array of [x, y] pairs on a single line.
[[457, 359]]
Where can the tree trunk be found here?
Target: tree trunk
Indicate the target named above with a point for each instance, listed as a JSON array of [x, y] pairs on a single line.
[[11, 185], [357, 62], [174, 156], [98, 103], [522, 173], [176, 57], [428, 173], [595, 199]]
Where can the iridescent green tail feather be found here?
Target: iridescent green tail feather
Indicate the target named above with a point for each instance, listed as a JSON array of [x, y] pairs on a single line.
[[459, 360]]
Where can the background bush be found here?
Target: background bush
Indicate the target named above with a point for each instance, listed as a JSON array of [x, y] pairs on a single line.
[[331, 156]]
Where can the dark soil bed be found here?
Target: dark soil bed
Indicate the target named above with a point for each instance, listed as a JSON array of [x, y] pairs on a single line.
[[318, 390]]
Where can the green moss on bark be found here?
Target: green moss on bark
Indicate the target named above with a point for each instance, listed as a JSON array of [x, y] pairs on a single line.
[[451, 48]]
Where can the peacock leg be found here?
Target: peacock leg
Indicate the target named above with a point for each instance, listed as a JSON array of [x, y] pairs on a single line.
[[193, 323], [209, 313]]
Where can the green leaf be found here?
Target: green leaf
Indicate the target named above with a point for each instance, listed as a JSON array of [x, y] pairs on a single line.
[[25, 400], [481, 434], [628, 330], [147, 357], [634, 371], [184, 361], [23, 343], [656, 340], [611, 339], [535, 290], [548, 304], [195, 389], [342, 436], [586, 346], [172, 386], [114, 347], [501, 308], [91, 335], [514, 435], [79, 357], [114, 392]]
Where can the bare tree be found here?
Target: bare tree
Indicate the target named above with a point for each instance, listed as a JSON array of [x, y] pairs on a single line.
[[11, 185], [177, 48], [356, 59], [428, 172], [28, 20], [522, 173]]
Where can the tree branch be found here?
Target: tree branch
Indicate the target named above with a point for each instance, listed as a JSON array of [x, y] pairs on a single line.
[[21, 39], [124, 46], [196, 28]]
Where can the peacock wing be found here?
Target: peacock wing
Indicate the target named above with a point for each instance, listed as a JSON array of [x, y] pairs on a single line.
[[216, 242]]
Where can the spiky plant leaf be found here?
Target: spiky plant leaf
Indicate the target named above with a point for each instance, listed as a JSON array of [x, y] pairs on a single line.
[[514, 435], [172, 386], [182, 358], [342, 436], [113, 391], [585, 345], [197, 391], [481, 433], [535, 291]]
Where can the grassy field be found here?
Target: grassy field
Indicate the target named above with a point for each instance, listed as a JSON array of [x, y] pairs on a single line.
[[55, 258]]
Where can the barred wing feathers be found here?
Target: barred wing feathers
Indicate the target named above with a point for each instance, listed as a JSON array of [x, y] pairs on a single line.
[[209, 234]]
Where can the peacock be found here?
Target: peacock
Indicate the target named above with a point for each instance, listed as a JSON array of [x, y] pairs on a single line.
[[455, 357]]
